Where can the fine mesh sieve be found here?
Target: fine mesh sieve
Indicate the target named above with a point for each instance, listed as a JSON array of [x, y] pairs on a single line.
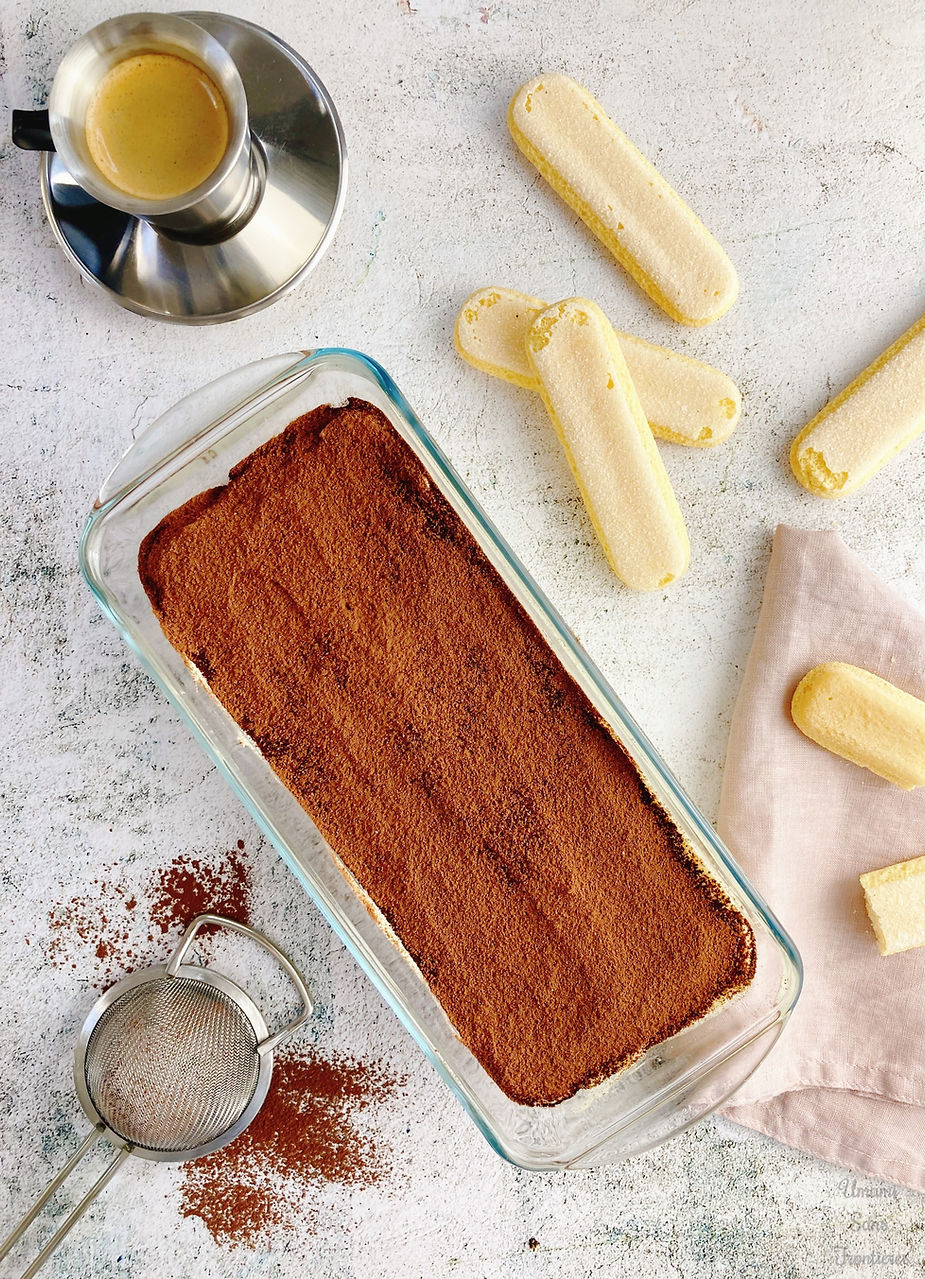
[[171, 1064]]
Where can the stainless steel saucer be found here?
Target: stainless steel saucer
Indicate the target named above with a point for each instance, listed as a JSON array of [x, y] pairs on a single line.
[[300, 162]]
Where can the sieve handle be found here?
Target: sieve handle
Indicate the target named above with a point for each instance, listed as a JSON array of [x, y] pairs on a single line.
[[272, 1041], [78, 1212], [84, 1148], [88, 1142]]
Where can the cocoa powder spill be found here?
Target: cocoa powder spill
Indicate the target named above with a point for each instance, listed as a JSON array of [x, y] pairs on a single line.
[[350, 624], [188, 886], [105, 921], [308, 1132]]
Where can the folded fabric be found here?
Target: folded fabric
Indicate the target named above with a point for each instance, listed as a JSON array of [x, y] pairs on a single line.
[[847, 1080]]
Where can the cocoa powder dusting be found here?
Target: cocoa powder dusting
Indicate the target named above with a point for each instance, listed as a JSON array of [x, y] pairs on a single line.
[[98, 923], [188, 886], [349, 623], [104, 922], [309, 1131]]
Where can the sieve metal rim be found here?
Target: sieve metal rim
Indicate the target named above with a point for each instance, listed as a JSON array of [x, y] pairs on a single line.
[[207, 977]]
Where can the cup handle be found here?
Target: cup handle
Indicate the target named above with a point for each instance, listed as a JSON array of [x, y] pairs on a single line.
[[31, 132]]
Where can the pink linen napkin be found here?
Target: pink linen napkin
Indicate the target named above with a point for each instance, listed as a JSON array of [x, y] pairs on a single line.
[[847, 1080]]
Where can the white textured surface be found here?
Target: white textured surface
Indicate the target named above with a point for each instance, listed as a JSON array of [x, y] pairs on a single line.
[[795, 132]]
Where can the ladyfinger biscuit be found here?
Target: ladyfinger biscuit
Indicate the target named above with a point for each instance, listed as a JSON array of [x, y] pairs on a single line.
[[881, 412], [587, 389], [865, 719], [895, 898], [624, 200], [684, 401]]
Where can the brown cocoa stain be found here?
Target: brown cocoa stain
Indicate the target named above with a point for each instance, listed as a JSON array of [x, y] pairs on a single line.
[[102, 924], [105, 924], [189, 886], [310, 1131]]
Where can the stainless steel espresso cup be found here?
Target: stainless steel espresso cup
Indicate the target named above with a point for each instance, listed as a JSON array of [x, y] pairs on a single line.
[[220, 203]]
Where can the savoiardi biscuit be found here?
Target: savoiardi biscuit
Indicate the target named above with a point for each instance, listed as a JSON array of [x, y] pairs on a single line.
[[684, 401], [622, 198], [589, 394]]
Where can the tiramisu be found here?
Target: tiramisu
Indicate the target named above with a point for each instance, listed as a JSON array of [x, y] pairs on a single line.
[[345, 617]]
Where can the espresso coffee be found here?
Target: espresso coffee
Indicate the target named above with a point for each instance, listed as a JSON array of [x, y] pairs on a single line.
[[157, 126]]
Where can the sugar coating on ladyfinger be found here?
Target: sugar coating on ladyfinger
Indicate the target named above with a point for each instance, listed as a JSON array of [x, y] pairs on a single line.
[[623, 199], [868, 422], [684, 401], [895, 898], [865, 719], [587, 389]]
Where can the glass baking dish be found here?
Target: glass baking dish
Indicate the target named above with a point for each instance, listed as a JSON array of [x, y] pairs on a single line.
[[192, 447]]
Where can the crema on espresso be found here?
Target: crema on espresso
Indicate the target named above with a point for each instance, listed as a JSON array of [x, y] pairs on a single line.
[[157, 126]]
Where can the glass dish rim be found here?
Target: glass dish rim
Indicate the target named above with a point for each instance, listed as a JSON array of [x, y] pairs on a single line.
[[302, 363]]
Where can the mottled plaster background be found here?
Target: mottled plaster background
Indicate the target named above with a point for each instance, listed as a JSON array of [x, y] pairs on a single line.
[[795, 130]]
